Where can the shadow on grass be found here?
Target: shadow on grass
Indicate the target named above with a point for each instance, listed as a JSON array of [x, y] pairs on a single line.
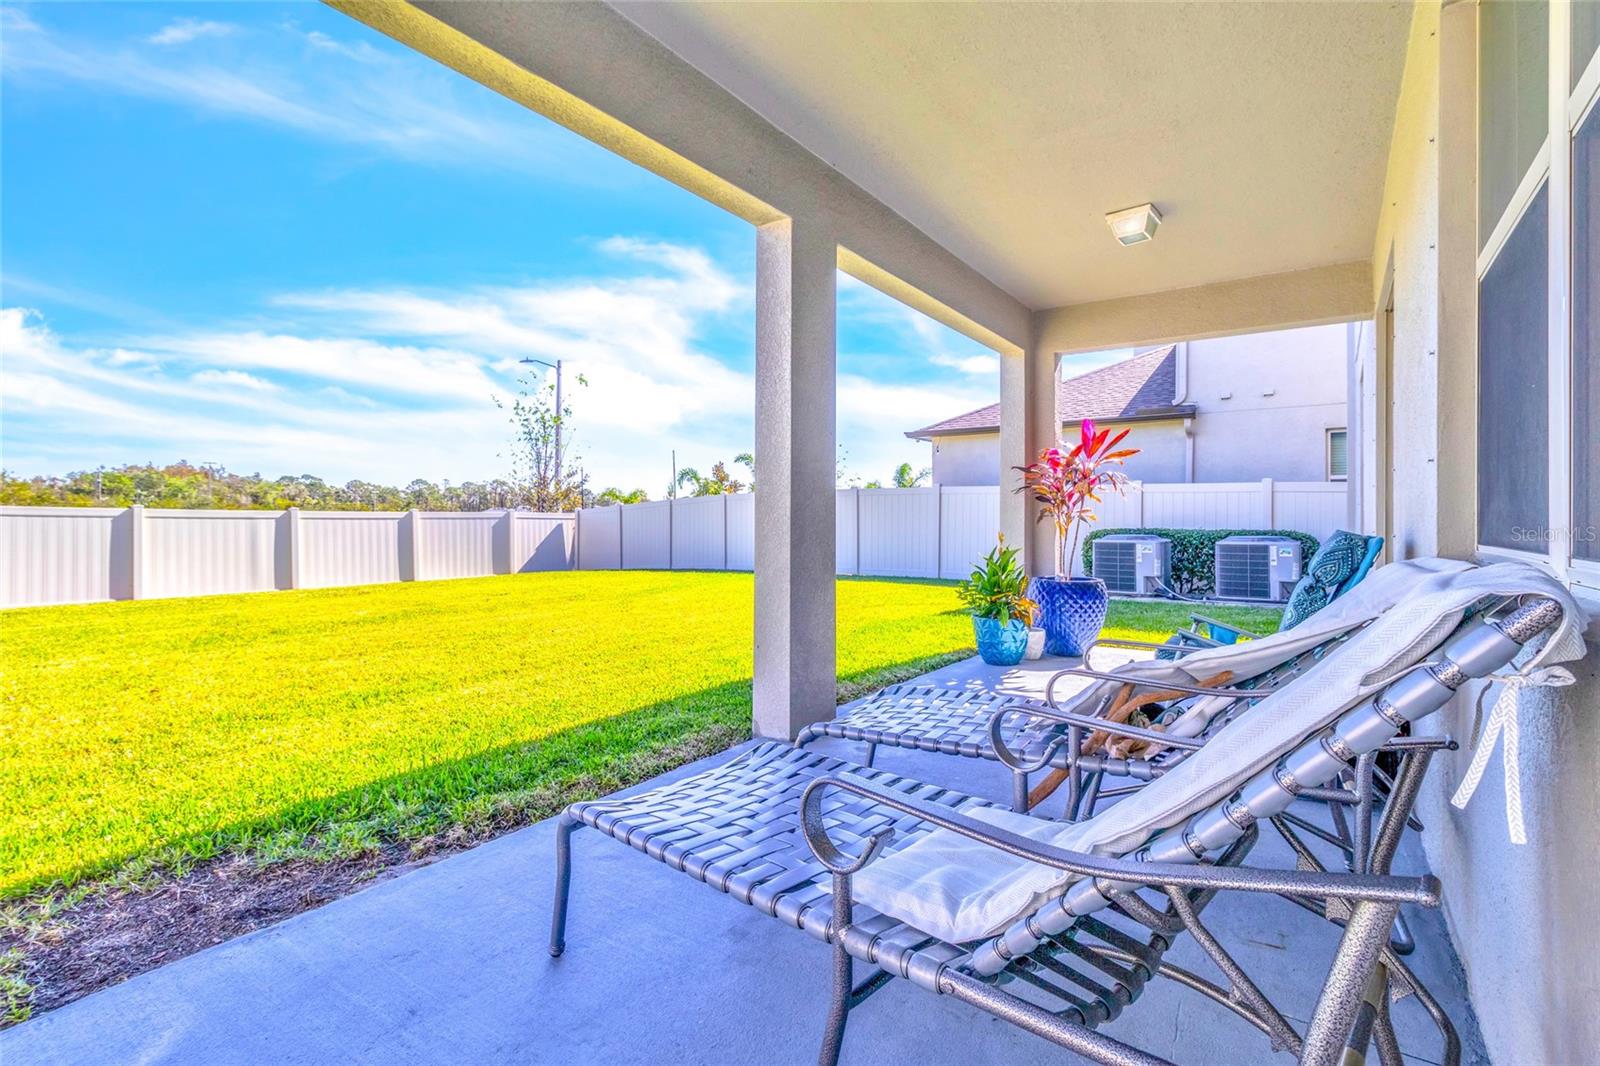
[[461, 801]]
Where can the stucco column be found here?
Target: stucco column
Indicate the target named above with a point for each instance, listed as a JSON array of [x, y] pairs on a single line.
[[1027, 427], [794, 549], [1456, 514]]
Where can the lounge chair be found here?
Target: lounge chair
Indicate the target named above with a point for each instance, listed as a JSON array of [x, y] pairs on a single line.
[[1030, 736], [1058, 927]]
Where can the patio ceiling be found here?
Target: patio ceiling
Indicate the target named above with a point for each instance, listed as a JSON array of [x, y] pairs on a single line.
[[1006, 133]]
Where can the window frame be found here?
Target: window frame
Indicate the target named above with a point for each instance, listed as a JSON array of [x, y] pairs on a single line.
[[1572, 108], [1327, 453], [1582, 105], [1571, 102], [1533, 180]]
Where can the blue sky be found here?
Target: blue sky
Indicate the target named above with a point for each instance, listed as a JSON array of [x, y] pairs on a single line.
[[265, 236]]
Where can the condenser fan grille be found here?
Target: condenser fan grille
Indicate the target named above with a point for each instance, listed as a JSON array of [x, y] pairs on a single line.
[[1244, 571]]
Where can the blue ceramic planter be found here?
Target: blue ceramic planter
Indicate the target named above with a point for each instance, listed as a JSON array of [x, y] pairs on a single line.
[[1000, 645], [1071, 612]]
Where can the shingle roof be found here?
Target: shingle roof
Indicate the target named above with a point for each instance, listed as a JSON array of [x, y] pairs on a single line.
[[1138, 388]]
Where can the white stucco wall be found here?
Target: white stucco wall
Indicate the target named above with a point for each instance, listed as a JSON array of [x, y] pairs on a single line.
[[974, 458], [1265, 401], [969, 459]]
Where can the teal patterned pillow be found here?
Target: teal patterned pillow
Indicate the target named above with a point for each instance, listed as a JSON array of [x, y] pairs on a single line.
[[1335, 563]]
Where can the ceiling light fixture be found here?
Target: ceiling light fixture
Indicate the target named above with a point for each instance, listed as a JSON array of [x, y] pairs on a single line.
[[1134, 225]]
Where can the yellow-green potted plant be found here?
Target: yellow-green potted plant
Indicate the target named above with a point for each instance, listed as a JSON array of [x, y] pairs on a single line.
[[997, 595]]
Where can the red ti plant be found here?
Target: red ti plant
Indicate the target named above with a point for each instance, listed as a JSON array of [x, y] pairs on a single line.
[[1067, 483]]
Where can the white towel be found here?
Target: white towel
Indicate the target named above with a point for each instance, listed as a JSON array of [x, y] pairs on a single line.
[[960, 890]]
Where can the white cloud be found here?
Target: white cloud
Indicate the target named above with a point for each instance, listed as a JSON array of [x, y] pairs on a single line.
[[399, 102], [235, 379], [391, 385], [1074, 366], [967, 364], [15, 20], [874, 415], [182, 31]]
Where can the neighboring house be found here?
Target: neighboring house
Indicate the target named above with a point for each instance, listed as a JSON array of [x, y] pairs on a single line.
[[1230, 409]]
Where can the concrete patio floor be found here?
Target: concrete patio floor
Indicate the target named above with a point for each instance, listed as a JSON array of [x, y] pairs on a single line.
[[447, 964]]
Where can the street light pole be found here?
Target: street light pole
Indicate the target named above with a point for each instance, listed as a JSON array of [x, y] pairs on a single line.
[[560, 414]]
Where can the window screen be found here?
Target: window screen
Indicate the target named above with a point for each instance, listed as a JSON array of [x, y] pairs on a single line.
[[1513, 387], [1585, 36], [1338, 462], [1513, 100], [1586, 338]]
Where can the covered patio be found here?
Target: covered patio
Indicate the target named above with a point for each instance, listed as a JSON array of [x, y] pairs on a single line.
[[1314, 163], [449, 964]]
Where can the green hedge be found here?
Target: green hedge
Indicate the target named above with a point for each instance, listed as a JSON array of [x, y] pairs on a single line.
[[1194, 553]]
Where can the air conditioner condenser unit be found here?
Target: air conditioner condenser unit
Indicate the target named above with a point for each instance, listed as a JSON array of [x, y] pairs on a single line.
[[1133, 564], [1257, 568]]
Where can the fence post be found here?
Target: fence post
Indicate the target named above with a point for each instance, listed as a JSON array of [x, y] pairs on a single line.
[[293, 548], [672, 507], [1138, 494], [857, 567], [136, 552], [505, 549], [575, 555], [622, 512], [938, 531], [725, 531], [410, 550], [1269, 504]]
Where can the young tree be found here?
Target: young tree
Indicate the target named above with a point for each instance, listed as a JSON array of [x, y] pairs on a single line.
[[905, 479], [748, 461], [547, 477]]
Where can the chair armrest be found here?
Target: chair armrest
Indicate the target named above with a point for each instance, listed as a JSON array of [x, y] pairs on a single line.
[[1145, 682], [1216, 624], [1380, 888], [1085, 721], [1177, 651]]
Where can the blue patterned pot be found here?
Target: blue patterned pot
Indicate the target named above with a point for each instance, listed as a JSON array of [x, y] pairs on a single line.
[[1000, 645], [1071, 612]]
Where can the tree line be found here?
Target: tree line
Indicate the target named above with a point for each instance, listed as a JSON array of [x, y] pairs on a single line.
[[545, 476], [183, 484]]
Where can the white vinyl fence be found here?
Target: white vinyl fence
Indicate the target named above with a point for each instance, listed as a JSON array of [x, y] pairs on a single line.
[[81, 554], [931, 532]]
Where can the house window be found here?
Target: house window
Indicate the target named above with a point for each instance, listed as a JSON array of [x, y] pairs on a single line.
[[1514, 215], [1338, 458], [1585, 38], [1513, 387], [1513, 102], [1539, 282]]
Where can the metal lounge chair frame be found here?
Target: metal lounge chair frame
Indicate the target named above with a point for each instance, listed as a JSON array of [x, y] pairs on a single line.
[[761, 829], [977, 724]]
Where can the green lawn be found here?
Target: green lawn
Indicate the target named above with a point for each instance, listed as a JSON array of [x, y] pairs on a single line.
[[328, 721]]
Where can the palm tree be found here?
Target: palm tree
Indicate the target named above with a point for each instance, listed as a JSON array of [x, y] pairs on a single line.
[[614, 496], [717, 484], [748, 461], [688, 475]]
